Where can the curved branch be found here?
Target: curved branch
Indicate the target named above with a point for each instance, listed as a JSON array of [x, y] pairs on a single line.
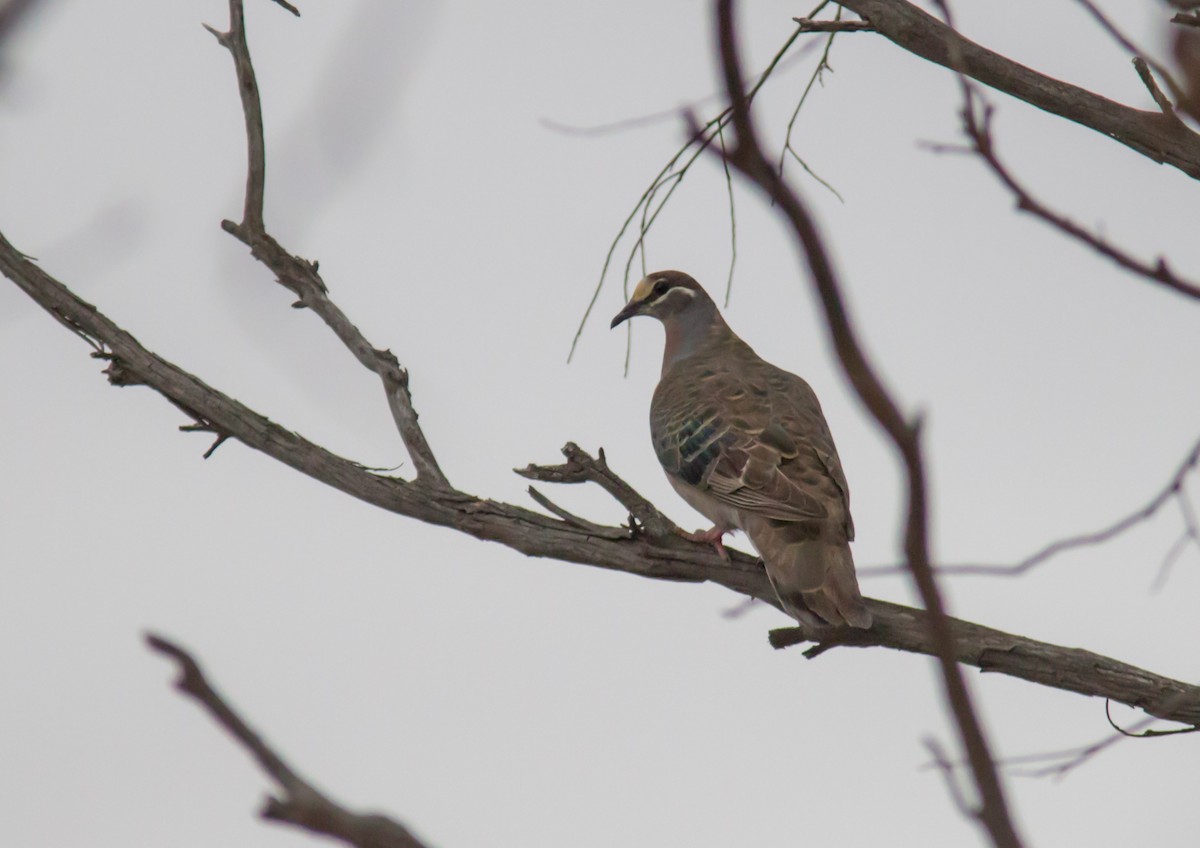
[[1161, 138], [302, 804], [977, 125], [748, 157]]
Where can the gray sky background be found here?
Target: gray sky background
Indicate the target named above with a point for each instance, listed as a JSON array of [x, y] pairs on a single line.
[[479, 696]]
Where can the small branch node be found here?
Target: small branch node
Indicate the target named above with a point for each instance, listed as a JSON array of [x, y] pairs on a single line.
[[221, 37], [1147, 78]]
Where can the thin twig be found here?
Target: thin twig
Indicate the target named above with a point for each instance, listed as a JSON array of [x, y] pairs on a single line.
[[1164, 104], [300, 803], [1141, 58], [817, 76], [1189, 535], [732, 217], [1173, 489], [574, 520], [701, 139], [289, 7], [1065, 761], [977, 124], [946, 767], [581, 467], [810, 25]]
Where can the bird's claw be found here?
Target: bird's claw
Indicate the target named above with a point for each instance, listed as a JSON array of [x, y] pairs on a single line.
[[708, 537]]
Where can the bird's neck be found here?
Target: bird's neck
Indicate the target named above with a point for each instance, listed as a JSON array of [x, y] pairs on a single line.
[[692, 333]]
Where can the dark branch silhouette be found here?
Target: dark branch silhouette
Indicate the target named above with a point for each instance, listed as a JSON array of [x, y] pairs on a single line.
[[747, 155], [300, 803], [977, 124], [1172, 490]]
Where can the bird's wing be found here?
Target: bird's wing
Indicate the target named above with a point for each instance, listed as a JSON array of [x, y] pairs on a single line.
[[751, 436]]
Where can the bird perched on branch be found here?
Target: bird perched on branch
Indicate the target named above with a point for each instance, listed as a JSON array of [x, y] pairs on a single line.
[[746, 445]]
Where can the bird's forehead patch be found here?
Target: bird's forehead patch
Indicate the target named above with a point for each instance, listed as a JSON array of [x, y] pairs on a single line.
[[642, 289]]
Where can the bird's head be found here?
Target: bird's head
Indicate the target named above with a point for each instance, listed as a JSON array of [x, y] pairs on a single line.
[[667, 296]]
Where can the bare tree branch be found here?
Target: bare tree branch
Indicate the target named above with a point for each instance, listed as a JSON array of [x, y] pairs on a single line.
[[1060, 763], [300, 276], [1174, 489], [669, 178], [660, 555], [582, 468], [1072, 669], [1149, 133], [748, 157], [977, 124], [301, 803]]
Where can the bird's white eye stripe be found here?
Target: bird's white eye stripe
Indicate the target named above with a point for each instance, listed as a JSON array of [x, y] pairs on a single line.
[[671, 291]]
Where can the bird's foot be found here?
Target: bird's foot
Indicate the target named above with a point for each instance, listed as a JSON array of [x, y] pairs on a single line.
[[708, 537]]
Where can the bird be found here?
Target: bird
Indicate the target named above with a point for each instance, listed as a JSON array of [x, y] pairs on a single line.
[[746, 445]]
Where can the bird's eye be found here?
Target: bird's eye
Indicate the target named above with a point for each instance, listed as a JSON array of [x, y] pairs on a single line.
[[660, 288]]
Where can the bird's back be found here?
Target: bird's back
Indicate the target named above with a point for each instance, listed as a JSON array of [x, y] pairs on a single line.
[[746, 436]]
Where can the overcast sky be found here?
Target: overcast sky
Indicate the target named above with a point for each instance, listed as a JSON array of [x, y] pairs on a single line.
[[481, 697]]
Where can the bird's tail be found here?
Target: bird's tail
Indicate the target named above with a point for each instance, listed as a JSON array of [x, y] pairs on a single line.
[[812, 576]]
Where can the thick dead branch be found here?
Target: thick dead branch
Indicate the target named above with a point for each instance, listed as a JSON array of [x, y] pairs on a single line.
[[301, 804], [666, 557], [1148, 132], [748, 157], [1072, 669]]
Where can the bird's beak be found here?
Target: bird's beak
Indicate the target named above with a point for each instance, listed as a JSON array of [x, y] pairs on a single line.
[[634, 307]]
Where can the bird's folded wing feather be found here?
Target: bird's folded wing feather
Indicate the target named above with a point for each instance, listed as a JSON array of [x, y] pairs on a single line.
[[751, 437]]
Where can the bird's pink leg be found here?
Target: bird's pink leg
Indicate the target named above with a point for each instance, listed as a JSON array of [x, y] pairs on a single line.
[[708, 537]]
